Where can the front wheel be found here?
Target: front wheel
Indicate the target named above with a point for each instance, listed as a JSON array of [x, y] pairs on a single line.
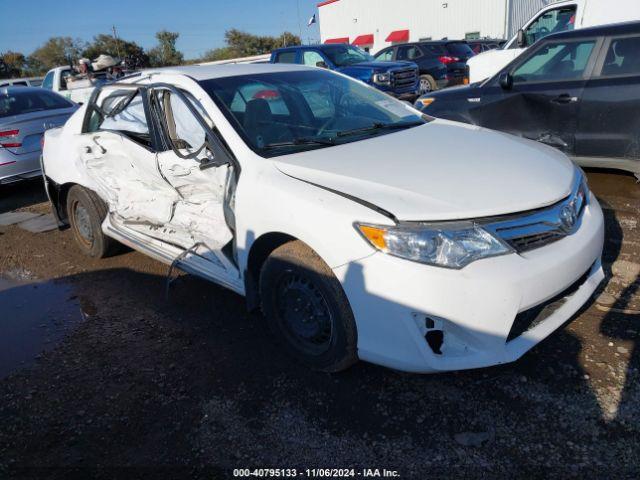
[[306, 308], [427, 84]]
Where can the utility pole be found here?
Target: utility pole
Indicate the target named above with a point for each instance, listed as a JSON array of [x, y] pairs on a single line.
[[115, 37], [299, 25]]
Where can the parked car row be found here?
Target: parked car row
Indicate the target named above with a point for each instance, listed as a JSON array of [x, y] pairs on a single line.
[[438, 64], [578, 91], [340, 212]]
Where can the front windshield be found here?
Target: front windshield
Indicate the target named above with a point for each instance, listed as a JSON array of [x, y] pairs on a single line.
[[345, 55], [285, 112]]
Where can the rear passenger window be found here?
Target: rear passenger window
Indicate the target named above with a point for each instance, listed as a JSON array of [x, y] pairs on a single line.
[[623, 57], [121, 111], [286, 57], [408, 53]]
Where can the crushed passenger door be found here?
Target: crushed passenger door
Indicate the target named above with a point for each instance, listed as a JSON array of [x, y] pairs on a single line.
[[190, 164]]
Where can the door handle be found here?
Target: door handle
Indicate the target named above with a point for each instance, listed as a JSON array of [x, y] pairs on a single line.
[[564, 99]]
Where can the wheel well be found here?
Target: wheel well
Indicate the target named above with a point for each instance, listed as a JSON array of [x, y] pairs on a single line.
[[260, 250], [58, 195]]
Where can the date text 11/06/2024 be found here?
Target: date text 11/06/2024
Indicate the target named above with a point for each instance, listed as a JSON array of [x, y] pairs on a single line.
[[316, 472]]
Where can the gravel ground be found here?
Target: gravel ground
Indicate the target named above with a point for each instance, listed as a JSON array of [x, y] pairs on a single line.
[[121, 380]]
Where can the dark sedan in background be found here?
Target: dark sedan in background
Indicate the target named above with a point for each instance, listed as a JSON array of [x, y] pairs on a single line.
[[441, 63], [578, 91], [25, 113]]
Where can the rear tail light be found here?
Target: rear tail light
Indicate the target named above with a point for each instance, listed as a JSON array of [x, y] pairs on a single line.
[[42, 142], [6, 136], [446, 59]]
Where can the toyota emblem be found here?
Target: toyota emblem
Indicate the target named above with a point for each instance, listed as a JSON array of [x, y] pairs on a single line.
[[568, 217]]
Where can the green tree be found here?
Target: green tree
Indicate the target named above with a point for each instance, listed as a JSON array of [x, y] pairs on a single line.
[[131, 52], [243, 44], [165, 53], [12, 64], [55, 52]]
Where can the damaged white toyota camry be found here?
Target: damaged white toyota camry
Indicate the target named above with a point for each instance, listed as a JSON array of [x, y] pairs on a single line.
[[361, 228]]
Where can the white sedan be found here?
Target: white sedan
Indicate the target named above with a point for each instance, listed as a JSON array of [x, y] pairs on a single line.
[[362, 228]]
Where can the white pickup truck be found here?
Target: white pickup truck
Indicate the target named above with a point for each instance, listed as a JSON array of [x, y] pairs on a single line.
[[56, 80], [554, 18]]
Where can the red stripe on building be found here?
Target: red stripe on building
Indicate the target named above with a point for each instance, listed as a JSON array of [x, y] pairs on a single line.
[[364, 39], [398, 36], [327, 2], [337, 40]]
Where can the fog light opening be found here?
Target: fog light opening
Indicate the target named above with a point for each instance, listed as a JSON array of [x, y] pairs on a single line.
[[435, 339]]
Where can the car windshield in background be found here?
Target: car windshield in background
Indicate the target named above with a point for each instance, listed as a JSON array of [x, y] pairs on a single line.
[[19, 102], [345, 55], [281, 113], [460, 49]]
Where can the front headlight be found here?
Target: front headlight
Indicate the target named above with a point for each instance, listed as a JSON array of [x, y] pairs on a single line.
[[449, 245], [382, 78]]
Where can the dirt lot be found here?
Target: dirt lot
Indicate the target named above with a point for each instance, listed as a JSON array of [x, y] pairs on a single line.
[[102, 370]]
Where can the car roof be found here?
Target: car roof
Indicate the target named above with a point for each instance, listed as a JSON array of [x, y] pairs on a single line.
[[623, 28], [207, 72], [7, 89], [320, 46]]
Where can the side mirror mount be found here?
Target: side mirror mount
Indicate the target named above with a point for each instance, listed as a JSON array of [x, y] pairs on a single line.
[[522, 39], [321, 65], [506, 80], [210, 159]]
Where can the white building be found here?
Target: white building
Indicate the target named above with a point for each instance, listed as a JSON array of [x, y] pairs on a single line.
[[375, 24]]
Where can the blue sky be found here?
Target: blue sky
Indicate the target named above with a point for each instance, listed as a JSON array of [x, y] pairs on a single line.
[[201, 23]]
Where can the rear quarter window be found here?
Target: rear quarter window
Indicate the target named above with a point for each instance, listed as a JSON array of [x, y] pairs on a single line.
[[285, 57]]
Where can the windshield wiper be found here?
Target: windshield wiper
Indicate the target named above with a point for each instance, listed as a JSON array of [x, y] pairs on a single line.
[[380, 126], [301, 141]]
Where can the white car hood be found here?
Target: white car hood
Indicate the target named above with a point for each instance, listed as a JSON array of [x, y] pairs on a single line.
[[488, 63], [440, 171]]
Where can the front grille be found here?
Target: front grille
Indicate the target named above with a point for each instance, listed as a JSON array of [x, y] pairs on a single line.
[[406, 77], [534, 316], [530, 242], [535, 229]]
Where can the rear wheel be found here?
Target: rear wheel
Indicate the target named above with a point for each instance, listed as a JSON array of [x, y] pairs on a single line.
[[86, 212], [306, 308], [427, 84]]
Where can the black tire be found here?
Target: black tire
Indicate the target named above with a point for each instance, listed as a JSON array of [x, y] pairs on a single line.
[[427, 84], [86, 212], [321, 331]]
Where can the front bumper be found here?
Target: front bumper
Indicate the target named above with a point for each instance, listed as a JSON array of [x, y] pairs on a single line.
[[14, 168], [397, 302]]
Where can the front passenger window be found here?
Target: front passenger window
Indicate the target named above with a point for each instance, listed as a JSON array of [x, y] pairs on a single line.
[[312, 58], [555, 62], [386, 56], [551, 21], [182, 126]]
